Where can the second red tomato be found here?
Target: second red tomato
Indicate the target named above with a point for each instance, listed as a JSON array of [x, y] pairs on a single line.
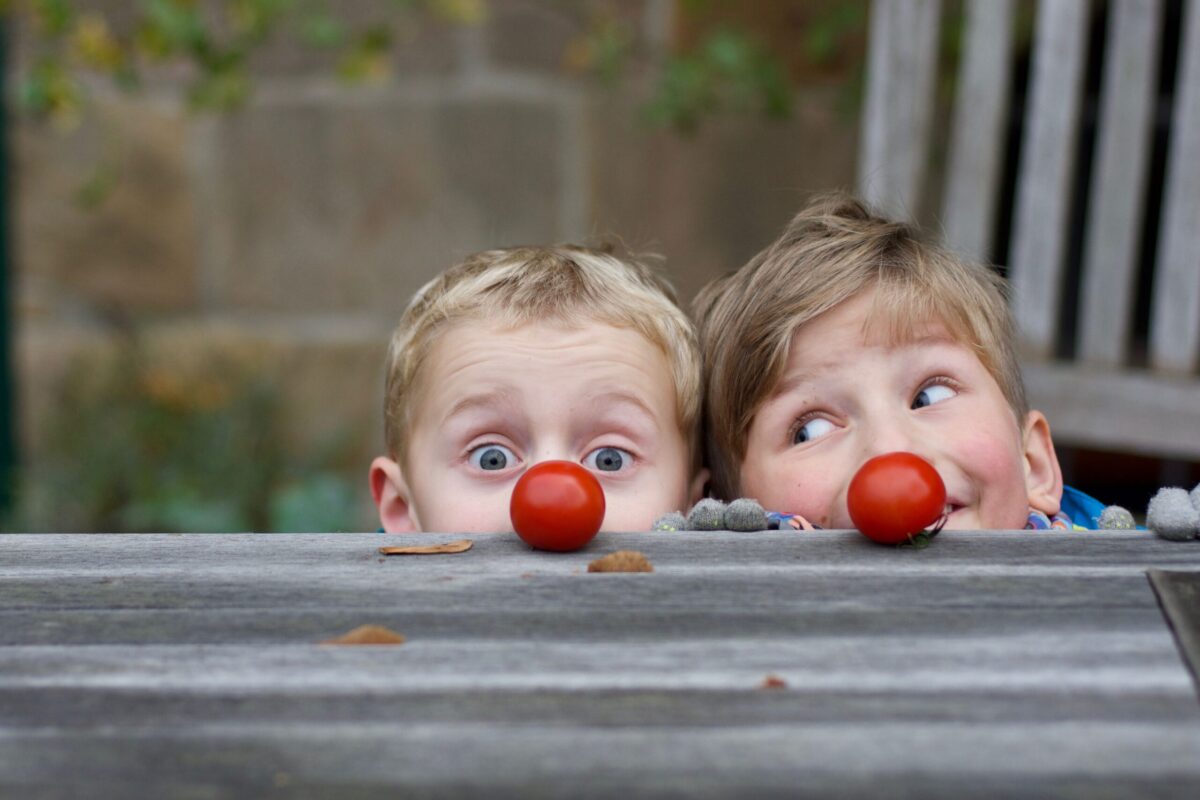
[[895, 496]]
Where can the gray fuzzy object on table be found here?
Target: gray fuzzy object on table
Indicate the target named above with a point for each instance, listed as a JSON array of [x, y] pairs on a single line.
[[707, 515], [1116, 518], [671, 521], [1172, 516], [745, 515]]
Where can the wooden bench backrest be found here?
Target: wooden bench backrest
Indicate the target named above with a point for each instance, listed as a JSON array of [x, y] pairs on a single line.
[[894, 156]]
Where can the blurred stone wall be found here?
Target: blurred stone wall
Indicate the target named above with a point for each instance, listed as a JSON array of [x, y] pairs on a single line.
[[300, 226]]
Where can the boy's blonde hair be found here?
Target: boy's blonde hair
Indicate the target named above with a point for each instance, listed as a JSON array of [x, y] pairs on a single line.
[[561, 283], [833, 249]]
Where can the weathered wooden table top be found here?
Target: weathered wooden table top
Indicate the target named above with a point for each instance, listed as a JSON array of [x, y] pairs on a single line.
[[991, 663]]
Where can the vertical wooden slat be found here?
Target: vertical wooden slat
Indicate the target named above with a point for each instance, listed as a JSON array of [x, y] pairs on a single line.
[[901, 61], [1115, 211], [1044, 175], [1175, 309], [977, 135]]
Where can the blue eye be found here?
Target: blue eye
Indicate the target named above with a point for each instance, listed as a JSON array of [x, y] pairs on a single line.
[[491, 457], [813, 429], [934, 393], [607, 459]]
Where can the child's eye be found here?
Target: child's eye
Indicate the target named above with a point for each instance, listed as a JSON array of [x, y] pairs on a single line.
[[608, 459], [491, 457], [934, 393], [814, 428]]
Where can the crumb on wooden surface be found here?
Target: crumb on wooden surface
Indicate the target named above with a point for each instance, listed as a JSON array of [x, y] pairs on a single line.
[[368, 634], [622, 561]]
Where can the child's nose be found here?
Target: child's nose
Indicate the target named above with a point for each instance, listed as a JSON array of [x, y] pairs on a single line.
[[892, 437]]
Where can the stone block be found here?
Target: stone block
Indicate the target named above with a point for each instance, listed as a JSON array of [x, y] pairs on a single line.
[[352, 205], [710, 201], [528, 35], [134, 249]]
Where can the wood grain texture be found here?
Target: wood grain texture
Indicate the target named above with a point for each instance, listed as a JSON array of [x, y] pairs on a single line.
[[901, 63], [977, 133], [1137, 411], [1175, 310], [1045, 171], [1115, 211], [992, 663]]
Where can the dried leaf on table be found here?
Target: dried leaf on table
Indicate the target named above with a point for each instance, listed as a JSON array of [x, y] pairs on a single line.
[[459, 546]]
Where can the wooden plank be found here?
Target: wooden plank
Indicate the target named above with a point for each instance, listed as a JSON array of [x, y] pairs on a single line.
[[1045, 172], [901, 63], [1102, 661], [977, 133], [1115, 211], [926, 758], [186, 665], [1175, 309], [1136, 412]]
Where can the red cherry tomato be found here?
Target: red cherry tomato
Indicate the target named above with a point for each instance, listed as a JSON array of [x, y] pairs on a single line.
[[894, 496], [557, 505]]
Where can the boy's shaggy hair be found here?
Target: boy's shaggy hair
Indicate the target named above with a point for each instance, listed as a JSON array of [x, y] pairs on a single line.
[[833, 249], [562, 283]]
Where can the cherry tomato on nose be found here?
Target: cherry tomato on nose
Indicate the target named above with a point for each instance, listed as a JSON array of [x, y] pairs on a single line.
[[557, 505], [894, 496]]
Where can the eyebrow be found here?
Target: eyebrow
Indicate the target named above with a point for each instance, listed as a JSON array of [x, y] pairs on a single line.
[[624, 398], [484, 401]]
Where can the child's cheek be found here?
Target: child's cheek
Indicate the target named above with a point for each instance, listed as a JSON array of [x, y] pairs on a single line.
[[995, 465], [792, 489]]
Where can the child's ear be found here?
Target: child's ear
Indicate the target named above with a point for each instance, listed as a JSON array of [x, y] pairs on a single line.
[[391, 496], [1043, 476], [699, 487]]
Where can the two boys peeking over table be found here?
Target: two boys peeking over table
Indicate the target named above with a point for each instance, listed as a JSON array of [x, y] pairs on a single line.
[[848, 337]]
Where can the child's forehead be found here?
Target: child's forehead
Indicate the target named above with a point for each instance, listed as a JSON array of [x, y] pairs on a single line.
[[878, 318]]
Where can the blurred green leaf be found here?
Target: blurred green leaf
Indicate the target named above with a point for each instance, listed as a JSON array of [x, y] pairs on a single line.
[[174, 26], [318, 28], [50, 91], [728, 71], [369, 58], [53, 16]]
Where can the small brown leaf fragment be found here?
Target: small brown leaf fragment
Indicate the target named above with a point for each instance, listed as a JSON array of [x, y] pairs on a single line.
[[622, 561], [773, 682], [368, 634], [459, 546]]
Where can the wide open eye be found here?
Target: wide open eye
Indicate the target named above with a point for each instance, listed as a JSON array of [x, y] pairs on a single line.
[[608, 459], [491, 457], [815, 428], [933, 393]]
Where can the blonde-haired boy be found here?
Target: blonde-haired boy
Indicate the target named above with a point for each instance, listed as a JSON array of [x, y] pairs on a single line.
[[528, 354], [849, 337]]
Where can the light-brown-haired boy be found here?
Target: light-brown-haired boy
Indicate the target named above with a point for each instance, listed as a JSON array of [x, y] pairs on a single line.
[[528, 354], [849, 337]]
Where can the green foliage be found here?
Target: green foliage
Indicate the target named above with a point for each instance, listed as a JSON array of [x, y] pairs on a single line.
[[828, 33], [728, 70], [175, 443], [216, 42]]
